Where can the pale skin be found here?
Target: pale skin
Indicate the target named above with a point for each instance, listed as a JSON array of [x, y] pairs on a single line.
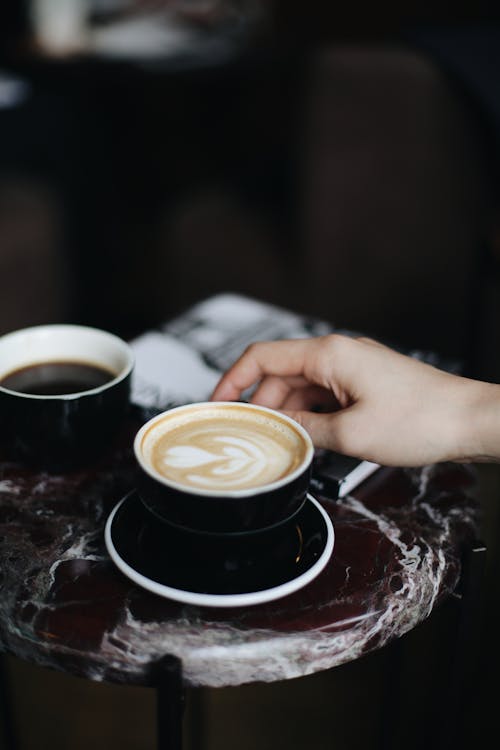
[[363, 399]]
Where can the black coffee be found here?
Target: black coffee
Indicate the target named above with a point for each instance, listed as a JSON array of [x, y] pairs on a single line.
[[56, 378]]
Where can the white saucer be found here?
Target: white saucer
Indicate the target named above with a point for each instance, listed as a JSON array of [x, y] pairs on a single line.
[[206, 572]]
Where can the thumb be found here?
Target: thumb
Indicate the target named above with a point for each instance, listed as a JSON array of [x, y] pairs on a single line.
[[326, 430]]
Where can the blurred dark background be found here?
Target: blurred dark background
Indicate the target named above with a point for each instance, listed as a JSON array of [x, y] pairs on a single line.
[[338, 160], [330, 160]]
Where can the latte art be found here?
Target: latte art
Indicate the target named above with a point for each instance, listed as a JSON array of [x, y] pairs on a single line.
[[226, 461], [224, 449]]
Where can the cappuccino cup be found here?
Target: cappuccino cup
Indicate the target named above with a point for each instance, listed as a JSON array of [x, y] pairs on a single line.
[[64, 390], [223, 467]]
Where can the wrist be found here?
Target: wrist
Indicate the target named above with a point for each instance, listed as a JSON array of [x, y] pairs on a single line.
[[479, 428]]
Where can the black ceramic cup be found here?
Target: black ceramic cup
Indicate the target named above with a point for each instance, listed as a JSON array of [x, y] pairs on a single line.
[[64, 390], [223, 467]]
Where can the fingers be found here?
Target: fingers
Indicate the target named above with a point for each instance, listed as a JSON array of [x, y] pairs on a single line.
[[273, 391], [319, 426], [339, 431], [278, 358], [318, 360]]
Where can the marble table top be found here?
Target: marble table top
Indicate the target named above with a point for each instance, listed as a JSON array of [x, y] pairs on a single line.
[[64, 604]]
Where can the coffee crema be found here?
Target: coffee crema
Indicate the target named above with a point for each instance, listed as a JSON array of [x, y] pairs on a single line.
[[224, 448], [56, 378]]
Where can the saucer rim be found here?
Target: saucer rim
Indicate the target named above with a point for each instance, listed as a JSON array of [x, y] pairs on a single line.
[[185, 596]]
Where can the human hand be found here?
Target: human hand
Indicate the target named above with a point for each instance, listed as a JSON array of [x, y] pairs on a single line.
[[363, 399]]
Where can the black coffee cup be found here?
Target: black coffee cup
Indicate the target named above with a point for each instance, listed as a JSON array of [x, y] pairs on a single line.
[[223, 467], [64, 391]]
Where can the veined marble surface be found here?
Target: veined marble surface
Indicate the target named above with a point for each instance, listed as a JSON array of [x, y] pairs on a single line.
[[64, 604]]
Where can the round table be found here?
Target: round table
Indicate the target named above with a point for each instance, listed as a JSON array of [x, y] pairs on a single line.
[[398, 544]]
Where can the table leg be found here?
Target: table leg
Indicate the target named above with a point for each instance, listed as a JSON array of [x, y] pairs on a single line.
[[7, 730], [169, 702], [391, 692], [462, 682]]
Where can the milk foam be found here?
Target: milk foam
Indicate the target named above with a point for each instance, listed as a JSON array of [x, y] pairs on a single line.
[[225, 450], [239, 462]]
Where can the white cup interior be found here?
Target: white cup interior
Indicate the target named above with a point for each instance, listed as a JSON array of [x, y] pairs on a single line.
[[55, 343]]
